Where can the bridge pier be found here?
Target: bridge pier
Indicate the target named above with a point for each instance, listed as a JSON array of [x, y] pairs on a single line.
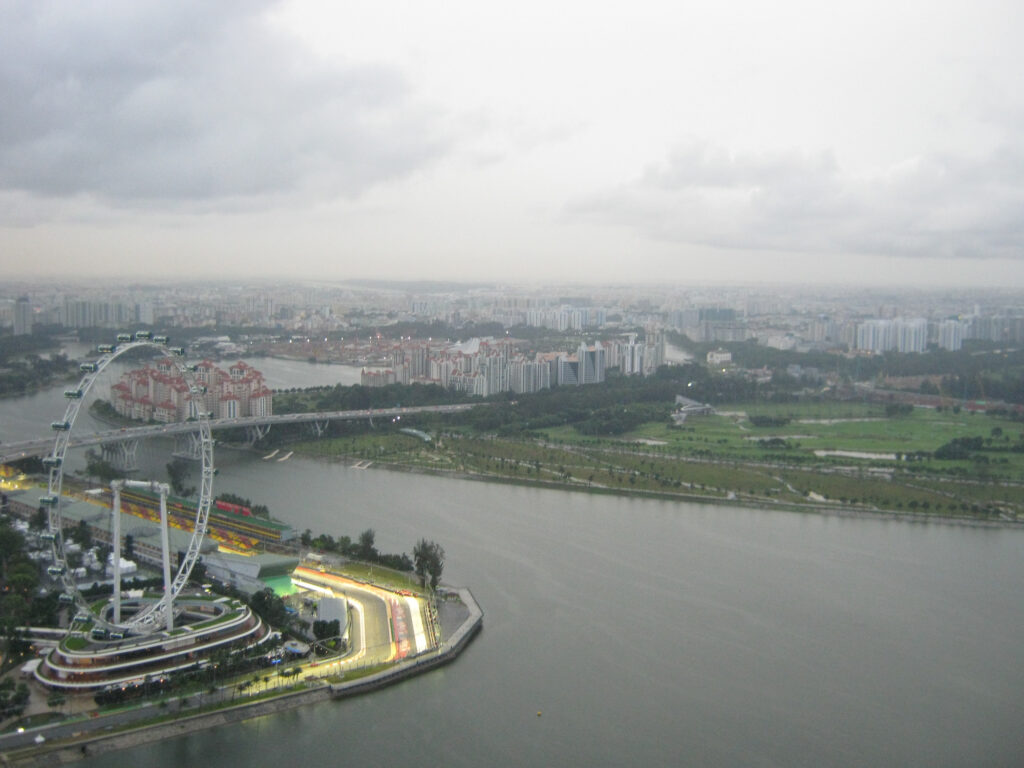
[[321, 426], [188, 446], [256, 432], [122, 454]]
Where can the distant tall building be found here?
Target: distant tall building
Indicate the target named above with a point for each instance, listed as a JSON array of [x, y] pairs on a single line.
[[568, 371], [824, 329], [22, 317], [911, 334], [876, 335], [951, 334], [631, 360], [78, 313], [591, 364]]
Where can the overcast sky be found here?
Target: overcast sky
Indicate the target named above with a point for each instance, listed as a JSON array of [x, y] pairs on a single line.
[[862, 142]]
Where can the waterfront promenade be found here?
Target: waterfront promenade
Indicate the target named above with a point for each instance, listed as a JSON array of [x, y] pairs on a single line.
[[88, 735]]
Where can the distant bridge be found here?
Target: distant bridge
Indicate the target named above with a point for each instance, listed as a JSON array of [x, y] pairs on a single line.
[[120, 445]]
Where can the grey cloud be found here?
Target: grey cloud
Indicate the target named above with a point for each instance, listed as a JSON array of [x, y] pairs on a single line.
[[701, 164], [192, 102], [935, 205]]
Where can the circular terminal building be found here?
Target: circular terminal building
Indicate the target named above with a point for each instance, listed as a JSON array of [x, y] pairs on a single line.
[[92, 657]]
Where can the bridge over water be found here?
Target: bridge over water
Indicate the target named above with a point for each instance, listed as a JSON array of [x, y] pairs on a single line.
[[119, 445]]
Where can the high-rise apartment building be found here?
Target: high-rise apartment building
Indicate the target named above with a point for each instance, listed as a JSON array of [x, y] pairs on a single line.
[[22, 316]]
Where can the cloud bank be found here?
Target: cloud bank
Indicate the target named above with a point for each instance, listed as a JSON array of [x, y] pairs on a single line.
[[193, 104], [933, 205]]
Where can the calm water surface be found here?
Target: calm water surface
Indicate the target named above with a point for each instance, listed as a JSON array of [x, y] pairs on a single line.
[[657, 633]]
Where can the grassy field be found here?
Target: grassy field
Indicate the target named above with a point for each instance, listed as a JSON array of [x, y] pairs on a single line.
[[888, 466], [379, 575], [858, 429]]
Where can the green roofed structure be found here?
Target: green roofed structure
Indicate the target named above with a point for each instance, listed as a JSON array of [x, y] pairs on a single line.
[[250, 573]]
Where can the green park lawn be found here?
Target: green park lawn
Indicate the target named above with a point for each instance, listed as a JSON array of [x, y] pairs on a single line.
[[857, 429], [724, 456]]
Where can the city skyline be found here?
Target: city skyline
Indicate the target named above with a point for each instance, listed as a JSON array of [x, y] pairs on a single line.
[[855, 143]]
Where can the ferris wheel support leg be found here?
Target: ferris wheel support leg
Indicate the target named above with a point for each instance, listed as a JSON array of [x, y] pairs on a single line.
[[115, 540], [165, 544]]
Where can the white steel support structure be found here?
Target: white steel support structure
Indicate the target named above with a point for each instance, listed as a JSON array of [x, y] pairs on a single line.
[[115, 541], [147, 618], [165, 547]]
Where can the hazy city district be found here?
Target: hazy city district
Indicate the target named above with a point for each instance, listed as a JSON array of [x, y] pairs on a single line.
[[829, 402]]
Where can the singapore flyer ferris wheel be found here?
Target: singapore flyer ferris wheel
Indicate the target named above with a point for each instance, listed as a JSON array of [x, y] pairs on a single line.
[[155, 614]]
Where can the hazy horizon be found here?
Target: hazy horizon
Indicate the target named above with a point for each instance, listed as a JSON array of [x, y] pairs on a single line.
[[852, 144]]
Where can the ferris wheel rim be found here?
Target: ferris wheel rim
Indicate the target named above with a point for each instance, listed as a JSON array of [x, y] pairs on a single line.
[[145, 620]]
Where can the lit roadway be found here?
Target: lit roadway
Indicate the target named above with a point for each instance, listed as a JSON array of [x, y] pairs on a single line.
[[370, 641], [42, 446]]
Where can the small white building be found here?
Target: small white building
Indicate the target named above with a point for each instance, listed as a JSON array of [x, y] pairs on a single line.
[[333, 608], [128, 567], [718, 358]]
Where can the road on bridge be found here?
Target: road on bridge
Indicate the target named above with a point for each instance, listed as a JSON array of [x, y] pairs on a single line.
[[41, 446]]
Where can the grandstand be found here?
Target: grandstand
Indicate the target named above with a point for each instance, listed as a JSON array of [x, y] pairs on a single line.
[[230, 529]]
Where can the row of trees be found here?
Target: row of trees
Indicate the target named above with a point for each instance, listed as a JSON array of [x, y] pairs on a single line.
[[19, 577], [427, 556], [13, 698], [363, 548]]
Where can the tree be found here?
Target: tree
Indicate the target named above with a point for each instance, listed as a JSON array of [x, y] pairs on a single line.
[[323, 630], [12, 544], [428, 557], [56, 700], [100, 468], [13, 699], [40, 519], [366, 550], [82, 534], [270, 606], [14, 607], [177, 473]]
